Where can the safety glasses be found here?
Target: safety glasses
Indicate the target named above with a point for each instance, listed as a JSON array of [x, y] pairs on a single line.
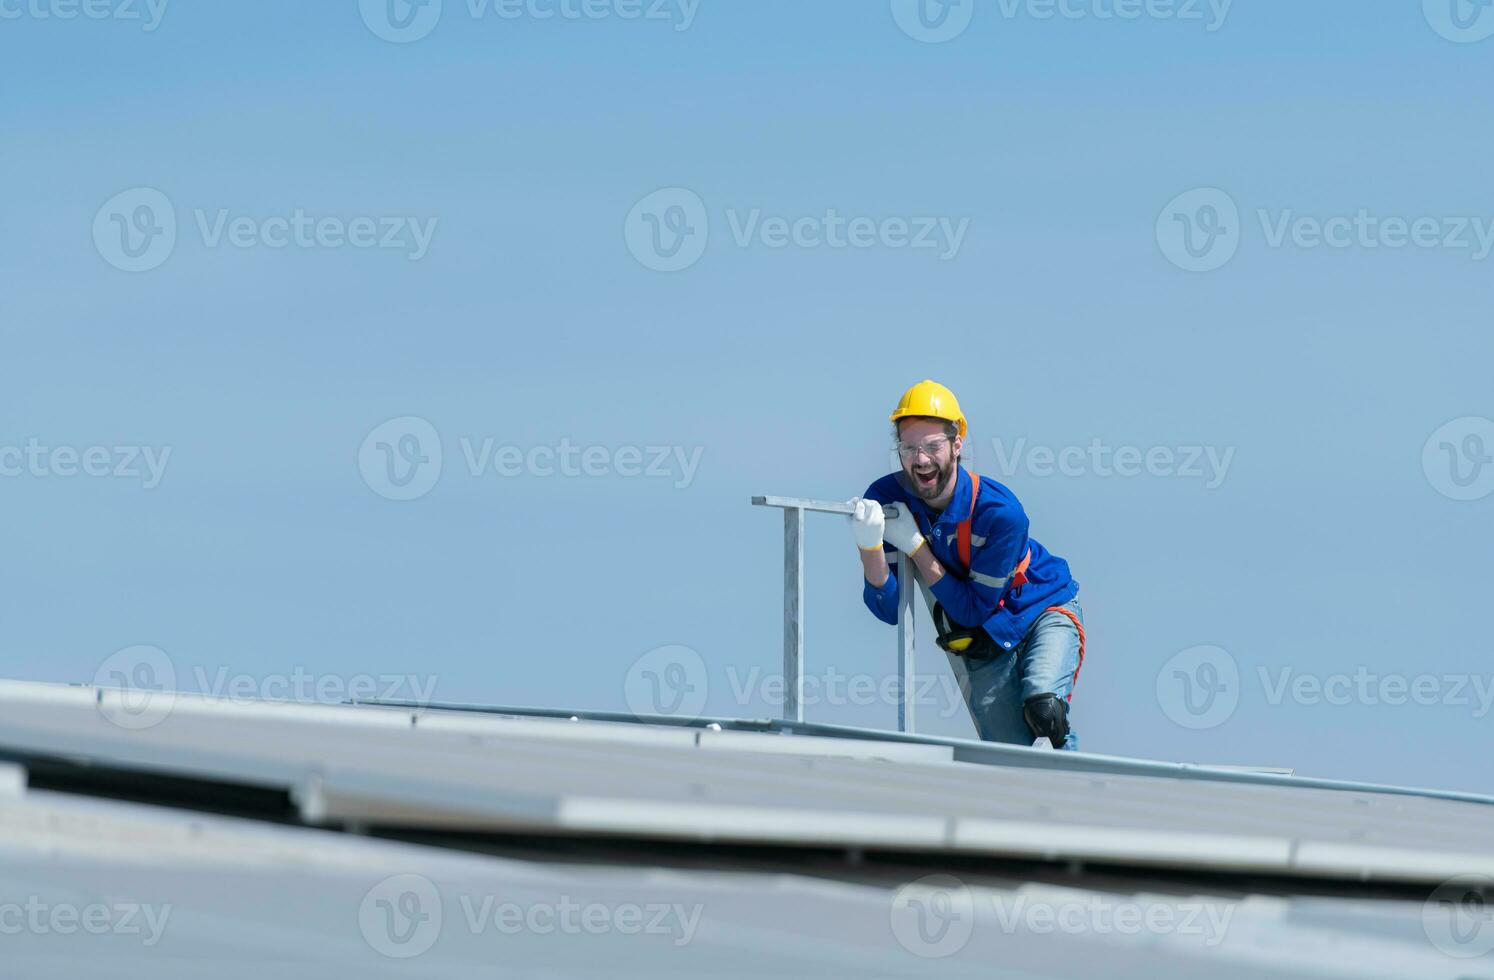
[[932, 448]]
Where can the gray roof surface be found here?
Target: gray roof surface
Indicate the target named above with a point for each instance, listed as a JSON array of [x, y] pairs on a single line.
[[389, 767], [231, 897]]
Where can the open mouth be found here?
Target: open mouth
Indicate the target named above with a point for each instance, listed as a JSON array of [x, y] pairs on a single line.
[[927, 477]]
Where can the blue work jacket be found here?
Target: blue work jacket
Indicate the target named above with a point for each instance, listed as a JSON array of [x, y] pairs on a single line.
[[986, 592]]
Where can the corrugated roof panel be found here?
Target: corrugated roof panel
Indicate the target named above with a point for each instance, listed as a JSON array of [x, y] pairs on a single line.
[[390, 767], [186, 895]]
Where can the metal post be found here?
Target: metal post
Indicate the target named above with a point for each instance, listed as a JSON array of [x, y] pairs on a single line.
[[794, 509], [906, 586], [793, 612]]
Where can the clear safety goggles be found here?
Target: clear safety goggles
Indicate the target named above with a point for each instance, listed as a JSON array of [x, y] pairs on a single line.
[[932, 448]]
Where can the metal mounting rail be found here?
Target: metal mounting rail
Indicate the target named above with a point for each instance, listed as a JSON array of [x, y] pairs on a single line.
[[794, 509], [972, 751]]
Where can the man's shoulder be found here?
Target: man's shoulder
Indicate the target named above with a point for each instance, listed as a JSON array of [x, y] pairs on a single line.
[[996, 502]]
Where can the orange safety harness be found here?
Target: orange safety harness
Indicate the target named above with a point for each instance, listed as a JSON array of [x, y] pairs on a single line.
[[1018, 579]]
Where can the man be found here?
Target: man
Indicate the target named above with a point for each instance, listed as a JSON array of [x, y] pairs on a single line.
[[1007, 608]]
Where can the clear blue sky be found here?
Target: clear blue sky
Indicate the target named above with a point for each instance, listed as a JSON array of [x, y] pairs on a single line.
[[1059, 320]]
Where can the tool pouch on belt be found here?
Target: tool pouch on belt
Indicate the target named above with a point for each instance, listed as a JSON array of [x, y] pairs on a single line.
[[972, 644]]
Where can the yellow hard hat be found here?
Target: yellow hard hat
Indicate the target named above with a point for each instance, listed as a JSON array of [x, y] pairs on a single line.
[[933, 400]]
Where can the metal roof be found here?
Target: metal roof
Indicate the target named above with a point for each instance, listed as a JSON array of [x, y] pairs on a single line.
[[779, 853], [193, 895], [458, 770]]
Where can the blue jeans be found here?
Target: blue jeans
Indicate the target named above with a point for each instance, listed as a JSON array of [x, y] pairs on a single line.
[[1043, 663]]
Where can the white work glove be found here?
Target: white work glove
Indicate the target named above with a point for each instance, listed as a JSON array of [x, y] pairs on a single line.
[[866, 523], [902, 532]]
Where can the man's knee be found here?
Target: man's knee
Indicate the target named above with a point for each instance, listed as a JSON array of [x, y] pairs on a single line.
[[1048, 717]]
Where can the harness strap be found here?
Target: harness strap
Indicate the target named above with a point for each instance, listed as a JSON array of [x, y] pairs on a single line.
[[962, 533], [1019, 577]]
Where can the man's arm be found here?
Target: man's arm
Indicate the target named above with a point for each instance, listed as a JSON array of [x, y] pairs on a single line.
[[880, 590], [929, 567], [874, 566], [902, 533], [999, 539], [881, 599]]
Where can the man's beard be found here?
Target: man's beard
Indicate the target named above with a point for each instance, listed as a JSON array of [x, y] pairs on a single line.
[[942, 477]]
